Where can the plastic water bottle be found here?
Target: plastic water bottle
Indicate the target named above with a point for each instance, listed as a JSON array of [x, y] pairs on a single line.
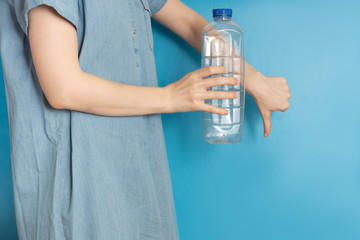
[[223, 45]]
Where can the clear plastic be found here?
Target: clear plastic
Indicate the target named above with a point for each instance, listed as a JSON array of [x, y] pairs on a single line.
[[223, 45]]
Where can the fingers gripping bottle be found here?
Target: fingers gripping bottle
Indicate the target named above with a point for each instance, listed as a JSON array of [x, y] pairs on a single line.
[[223, 45]]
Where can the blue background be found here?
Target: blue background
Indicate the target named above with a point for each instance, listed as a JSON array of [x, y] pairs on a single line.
[[303, 182]]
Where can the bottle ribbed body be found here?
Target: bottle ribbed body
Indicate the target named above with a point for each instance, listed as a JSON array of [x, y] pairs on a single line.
[[223, 45]]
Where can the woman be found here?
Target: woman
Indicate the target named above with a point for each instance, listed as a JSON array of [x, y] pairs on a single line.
[[88, 152]]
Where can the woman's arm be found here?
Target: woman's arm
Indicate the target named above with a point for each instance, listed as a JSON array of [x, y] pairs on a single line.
[[54, 48], [270, 93]]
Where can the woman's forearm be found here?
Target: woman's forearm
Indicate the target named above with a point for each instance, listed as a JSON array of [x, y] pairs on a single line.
[[93, 94]]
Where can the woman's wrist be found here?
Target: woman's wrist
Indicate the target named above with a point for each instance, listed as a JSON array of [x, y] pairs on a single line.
[[253, 80], [167, 106]]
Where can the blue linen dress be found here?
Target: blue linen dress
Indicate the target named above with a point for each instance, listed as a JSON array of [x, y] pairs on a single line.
[[77, 175]]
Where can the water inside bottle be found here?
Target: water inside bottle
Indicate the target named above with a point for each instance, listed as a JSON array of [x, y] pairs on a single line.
[[217, 128]]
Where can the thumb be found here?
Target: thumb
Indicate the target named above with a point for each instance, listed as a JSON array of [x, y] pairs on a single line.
[[266, 116]]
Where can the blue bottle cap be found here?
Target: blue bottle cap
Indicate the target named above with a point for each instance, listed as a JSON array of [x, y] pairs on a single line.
[[222, 12]]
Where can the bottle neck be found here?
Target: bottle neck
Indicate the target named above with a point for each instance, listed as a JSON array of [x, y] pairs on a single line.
[[218, 19]]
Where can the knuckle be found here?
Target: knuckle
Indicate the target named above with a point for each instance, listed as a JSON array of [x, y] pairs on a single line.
[[215, 69], [219, 80], [208, 108], [188, 75], [286, 106], [212, 69], [193, 75], [283, 107]]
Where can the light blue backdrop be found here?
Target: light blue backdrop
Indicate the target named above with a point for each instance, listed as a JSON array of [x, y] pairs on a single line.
[[301, 183]]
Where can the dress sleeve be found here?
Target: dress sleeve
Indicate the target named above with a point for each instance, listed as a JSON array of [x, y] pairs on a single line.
[[156, 5], [69, 9]]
